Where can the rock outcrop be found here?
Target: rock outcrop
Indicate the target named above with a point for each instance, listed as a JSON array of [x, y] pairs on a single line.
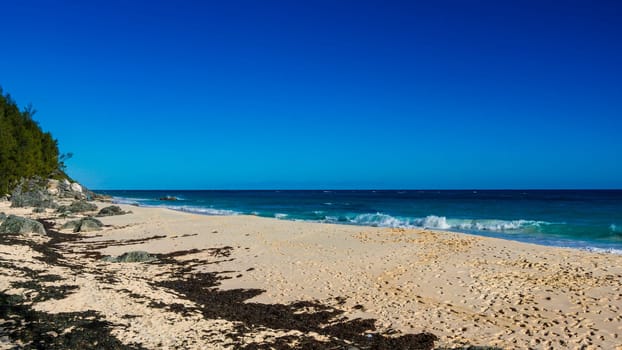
[[44, 193], [66, 189], [32, 193]]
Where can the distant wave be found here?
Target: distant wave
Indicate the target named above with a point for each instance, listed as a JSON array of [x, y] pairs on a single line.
[[130, 201], [197, 210], [615, 228]]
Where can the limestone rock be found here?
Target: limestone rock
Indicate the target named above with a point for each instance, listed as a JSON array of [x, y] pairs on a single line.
[[87, 224], [90, 224], [19, 225], [53, 187], [75, 187], [111, 210], [78, 207], [72, 225]]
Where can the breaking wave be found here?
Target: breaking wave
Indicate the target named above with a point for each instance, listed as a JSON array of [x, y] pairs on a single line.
[[196, 210], [604, 250], [439, 222]]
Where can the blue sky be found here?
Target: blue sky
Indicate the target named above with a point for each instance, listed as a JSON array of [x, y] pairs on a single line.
[[324, 94]]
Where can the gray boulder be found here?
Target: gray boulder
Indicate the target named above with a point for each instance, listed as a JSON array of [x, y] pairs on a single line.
[[90, 224], [18, 225], [77, 207], [73, 225], [111, 211], [83, 225], [135, 256]]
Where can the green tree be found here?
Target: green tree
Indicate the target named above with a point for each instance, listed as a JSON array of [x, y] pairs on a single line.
[[25, 150]]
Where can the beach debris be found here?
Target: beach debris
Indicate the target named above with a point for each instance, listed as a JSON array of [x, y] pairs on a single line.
[[83, 225], [168, 198], [111, 211], [130, 257], [19, 225], [77, 207]]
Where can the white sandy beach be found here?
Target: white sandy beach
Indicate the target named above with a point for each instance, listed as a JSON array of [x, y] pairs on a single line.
[[466, 290]]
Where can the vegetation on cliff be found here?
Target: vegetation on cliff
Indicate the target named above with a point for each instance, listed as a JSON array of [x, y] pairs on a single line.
[[26, 151]]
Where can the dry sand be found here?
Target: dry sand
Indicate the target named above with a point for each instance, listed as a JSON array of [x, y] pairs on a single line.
[[250, 282]]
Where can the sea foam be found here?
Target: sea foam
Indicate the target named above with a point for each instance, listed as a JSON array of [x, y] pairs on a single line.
[[440, 222], [197, 210], [604, 250]]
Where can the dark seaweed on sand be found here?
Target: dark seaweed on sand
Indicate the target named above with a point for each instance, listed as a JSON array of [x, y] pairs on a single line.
[[41, 330]]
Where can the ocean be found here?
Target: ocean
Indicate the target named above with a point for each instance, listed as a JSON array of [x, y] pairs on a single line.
[[583, 219]]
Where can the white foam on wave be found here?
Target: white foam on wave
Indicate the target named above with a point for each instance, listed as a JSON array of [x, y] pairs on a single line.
[[330, 219], [615, 228], [198, 210], [378, 219], [280, 215], [496, 225], [123, 200], [441, 222], [604, 250], [433, 221]]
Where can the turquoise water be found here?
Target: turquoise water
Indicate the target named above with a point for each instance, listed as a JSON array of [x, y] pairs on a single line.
[[578, 219]]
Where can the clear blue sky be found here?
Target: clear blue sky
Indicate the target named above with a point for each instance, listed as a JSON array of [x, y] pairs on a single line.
[[323, 94]]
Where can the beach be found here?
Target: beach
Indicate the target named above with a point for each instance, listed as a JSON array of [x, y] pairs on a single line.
[[242, 281]]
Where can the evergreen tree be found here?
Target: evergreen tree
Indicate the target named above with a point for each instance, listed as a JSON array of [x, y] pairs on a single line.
[[25, 150]]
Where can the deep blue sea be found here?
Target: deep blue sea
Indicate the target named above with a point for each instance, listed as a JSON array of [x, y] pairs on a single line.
[[578, 219]]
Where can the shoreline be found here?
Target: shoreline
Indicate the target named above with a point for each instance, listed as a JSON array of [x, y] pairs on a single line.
[[503, 235], [467, 290]]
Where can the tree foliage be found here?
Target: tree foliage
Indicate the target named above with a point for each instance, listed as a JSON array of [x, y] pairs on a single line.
[[25, 150]]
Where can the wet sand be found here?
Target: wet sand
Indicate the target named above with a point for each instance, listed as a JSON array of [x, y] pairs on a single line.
[[255, 283]]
